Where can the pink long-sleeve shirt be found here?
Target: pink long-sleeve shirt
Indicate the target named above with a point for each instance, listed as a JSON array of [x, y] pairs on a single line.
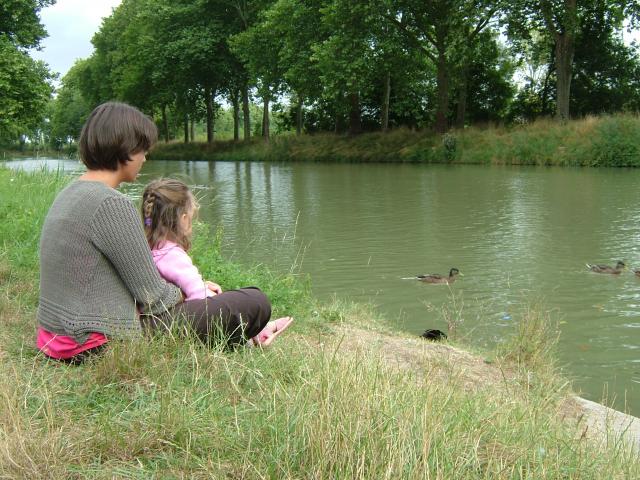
[[175, 266]]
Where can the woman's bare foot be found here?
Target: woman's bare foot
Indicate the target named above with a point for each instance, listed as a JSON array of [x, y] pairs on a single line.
[[271, 330]]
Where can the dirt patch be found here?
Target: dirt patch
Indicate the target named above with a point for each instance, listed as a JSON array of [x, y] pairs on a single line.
[[443, 362], [424, 358]]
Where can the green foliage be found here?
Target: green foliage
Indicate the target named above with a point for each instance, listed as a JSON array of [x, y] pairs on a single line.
[[258, 47], [488, 71], [348, 53], [25, 84], [606, 74], [167, 58], [299, 26], [606, 141], [566, 28], [615, 143], [447, 32], [330, 65], [26, 88], [20, 22], [69, 109]]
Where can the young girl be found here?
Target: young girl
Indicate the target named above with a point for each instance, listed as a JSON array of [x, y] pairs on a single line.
[[168, 208]]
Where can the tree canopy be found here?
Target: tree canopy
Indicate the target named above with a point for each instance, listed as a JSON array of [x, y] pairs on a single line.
[[25, 84], [340, 65]]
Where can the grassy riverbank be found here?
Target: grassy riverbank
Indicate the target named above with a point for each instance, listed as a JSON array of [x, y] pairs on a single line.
[[608, 141], [323, 403], [7, 153]]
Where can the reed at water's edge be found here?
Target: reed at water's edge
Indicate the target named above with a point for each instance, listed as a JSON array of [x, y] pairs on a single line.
[[310, 407], [606, 141]]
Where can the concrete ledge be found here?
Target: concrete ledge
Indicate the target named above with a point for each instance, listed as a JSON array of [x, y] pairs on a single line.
[[608, 424]]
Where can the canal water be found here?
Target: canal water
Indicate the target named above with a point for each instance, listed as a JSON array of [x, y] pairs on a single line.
[[520, 236]]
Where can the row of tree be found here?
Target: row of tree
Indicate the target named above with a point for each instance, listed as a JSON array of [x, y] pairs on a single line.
[[353, 65]]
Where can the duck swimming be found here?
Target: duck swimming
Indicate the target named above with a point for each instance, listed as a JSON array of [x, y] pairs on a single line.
[[620, 266], [435, 278]]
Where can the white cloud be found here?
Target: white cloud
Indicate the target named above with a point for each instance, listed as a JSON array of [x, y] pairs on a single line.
[[70, 25]]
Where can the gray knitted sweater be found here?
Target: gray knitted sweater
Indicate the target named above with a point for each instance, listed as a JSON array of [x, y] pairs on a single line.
[[96, 266]]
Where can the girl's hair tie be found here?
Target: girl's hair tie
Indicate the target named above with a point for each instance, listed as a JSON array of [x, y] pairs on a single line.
[[147, 221]]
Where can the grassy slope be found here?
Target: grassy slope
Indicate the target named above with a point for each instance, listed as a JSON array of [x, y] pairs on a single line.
[[594, 141], [307, 408]]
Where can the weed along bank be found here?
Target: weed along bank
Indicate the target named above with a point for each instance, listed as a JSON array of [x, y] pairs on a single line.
[[605, 141]]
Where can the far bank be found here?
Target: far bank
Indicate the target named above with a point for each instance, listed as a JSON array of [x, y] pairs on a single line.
[[607, 141]]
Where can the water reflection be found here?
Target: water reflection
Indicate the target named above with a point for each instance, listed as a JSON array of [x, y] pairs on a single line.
[[52, 164]]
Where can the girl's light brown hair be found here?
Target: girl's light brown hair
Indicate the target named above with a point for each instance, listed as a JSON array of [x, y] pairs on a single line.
[[164, 202]]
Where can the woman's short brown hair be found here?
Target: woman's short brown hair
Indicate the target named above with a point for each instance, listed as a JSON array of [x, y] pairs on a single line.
[[112, 133]]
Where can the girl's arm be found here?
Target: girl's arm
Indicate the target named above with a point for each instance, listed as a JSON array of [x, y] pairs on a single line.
[[176, 267], [116, 230]]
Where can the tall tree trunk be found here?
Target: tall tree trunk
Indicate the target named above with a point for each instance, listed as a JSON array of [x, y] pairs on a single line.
[[385, 102], [355, 120], [235, 101], [299, 119], [565, 48], [192, 129], [442, 79], [461, 111], [186, 128], [208, 97], [245, 111], [545, 91], [265, 117], [165, 123], [563, 28]]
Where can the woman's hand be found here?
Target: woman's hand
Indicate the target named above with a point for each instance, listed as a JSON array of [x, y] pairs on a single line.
[[214, 287]]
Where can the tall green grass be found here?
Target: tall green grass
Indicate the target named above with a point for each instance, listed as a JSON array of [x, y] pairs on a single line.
[[310, 407], [606, 141]]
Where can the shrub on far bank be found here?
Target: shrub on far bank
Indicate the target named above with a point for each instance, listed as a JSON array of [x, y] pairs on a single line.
[[617, 141], [29, 151], [606, 141]]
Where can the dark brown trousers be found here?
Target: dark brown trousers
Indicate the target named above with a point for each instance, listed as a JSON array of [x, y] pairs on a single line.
[[233, 316]]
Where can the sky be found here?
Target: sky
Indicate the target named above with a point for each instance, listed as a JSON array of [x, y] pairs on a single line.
[[70, 25]]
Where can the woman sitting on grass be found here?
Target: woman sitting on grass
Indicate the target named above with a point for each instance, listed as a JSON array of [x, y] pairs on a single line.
[[97, 276], [168, 208]]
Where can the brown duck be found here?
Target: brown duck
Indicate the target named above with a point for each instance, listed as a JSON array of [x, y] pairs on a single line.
[[620, 266], [435, 278]]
